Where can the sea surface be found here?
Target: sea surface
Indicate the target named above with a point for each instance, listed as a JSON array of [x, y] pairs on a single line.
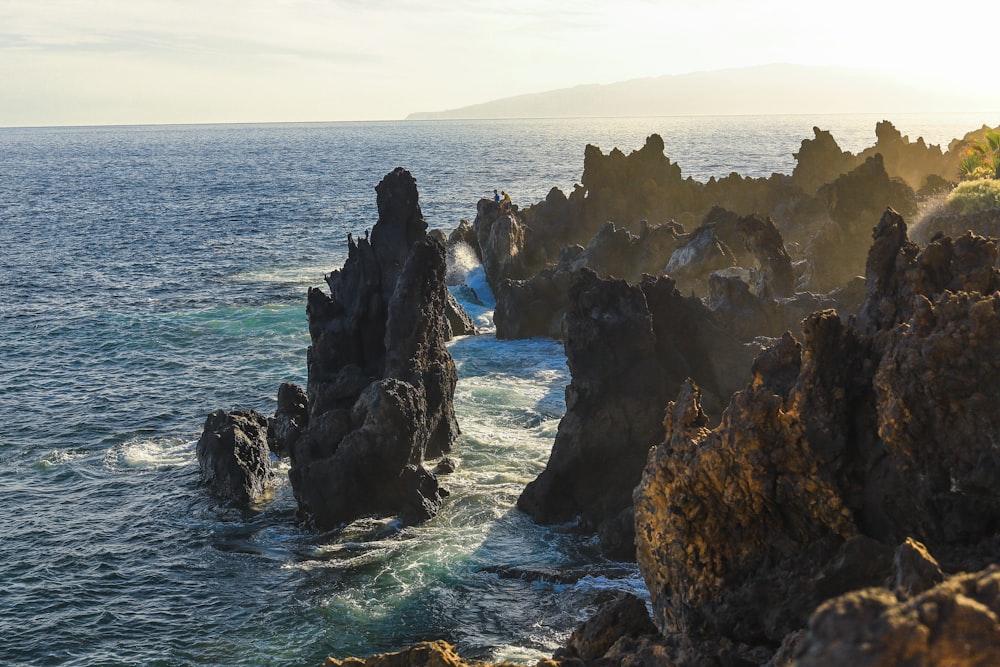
[[150, 275]]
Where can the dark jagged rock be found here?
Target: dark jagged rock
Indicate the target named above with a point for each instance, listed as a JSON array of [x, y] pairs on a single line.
[[458, 320], [698, 256], [913, 162], [233, 456], [628, 347], [290, 418], [955, 623], [868, 434], [619, 615], [820, 161], [611, 409], [536, 307], [381, 381], [855, 201], [914, 569], [772, 275], [643, 185]]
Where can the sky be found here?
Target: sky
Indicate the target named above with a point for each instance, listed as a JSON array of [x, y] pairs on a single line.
[[101, 62]]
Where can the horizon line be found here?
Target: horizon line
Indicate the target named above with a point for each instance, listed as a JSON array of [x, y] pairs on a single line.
[[407, 119]]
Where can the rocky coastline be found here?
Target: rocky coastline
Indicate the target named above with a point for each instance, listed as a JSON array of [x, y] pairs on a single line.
[[786, 416]]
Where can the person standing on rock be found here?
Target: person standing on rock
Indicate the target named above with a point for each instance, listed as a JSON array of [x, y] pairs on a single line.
[[505, 203], [496, 196]]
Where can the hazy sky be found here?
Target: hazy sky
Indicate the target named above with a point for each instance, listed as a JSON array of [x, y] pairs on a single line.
[[153, 61]]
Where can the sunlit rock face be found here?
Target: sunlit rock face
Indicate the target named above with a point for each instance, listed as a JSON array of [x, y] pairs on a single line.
[[381, 381], [839, 448], [954, 623]]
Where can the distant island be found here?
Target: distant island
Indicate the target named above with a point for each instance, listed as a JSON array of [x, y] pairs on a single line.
[[759, 90]]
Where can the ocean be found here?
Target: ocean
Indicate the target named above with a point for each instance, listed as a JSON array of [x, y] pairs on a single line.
[[150, 275]]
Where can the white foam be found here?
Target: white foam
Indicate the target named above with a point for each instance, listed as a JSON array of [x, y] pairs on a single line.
[[462, 261], [150, 454], [57, 458], [295, 275]]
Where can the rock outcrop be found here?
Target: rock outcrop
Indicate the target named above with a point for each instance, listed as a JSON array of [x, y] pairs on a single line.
[[611, 407], [503, 244], [838, 449], [536, 307], [955, 623], [628, 347], [289, 420], [233, 456], [854, 200], [772, 274], [381, 381]]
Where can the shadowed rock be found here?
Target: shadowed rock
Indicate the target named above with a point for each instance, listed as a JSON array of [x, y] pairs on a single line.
[[854, 200], [536, 307], [290, 418], [381, 381], [772, 275], [955, 623], [628, 347], [621, 615], [820, 161], [233, 456]]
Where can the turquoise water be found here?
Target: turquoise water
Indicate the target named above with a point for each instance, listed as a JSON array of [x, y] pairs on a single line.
[[150, 275]]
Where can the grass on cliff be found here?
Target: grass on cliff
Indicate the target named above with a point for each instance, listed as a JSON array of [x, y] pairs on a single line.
[[972, 196]]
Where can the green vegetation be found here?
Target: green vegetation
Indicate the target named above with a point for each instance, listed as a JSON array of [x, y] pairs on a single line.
[[983, 158], [977, 195]]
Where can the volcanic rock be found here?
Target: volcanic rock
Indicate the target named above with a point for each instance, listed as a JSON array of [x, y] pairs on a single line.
[[772, 275], [820, 161], [955, 623], [502, 239], [696, 257], [628, 347], [290, 418], [855, 201], [611, 407], [620, 615], [381, 381], [536, 307], [838, 448], [233, 455]]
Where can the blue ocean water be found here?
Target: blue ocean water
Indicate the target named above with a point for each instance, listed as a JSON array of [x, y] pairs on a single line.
[[150, 275]]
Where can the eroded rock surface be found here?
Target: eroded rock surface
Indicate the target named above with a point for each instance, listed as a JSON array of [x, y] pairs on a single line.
[[838, 449], [955, 623], [233, 456], [628, 347], [381, 381]]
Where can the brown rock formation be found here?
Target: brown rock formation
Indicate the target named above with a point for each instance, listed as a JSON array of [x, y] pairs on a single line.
[[820, 161], [835, 450], [536, 307], [955, 623]]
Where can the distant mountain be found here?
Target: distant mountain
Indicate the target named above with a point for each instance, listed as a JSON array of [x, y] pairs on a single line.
[[766, 89]]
